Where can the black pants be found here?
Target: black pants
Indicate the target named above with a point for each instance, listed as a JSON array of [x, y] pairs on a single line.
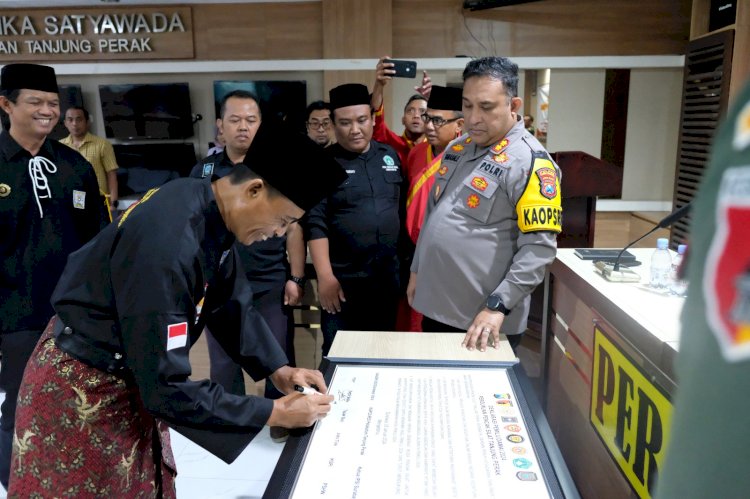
[[433, 326], [16, 349], [371, 305], [270, 304]]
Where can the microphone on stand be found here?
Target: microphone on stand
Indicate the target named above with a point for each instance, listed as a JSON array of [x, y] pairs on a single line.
[[663, 224]]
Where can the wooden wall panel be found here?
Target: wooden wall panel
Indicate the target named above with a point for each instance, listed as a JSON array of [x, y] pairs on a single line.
[[258, 31], [551, 28], [741, 57], [355, 29]]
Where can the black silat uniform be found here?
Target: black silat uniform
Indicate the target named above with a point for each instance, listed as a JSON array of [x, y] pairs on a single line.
[[266, 267], [131, 297], [362, 222], [49, 207]]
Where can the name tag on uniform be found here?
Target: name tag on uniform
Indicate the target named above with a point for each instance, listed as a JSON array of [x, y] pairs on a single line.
[[79, 200], [177, 335], [208, 169]]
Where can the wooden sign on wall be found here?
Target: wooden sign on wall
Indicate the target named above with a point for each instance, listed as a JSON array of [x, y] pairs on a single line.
[[100, 34]]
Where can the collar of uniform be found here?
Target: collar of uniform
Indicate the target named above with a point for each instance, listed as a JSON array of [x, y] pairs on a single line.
[[512, 135], [224, 159], [11, 149], [216, 228], [340, 152]]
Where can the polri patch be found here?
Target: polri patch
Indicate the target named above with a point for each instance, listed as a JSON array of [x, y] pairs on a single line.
[[208, 169], [451, 157], [490, 168], [388, 160], [457, 147], [79, 200], [472, 201], [177, 335], [443, 170], [726, 282]]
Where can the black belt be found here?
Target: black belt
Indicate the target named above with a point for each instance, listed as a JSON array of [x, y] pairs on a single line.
[[100, 358]]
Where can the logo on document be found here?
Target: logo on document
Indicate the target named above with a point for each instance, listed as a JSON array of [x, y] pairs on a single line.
[[518, 450], [516, 439], [508, 419], [513, 428], [522, 462], [526, 476]]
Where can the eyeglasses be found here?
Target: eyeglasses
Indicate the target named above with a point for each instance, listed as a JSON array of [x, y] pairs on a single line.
[[437, 121], [316, 125]]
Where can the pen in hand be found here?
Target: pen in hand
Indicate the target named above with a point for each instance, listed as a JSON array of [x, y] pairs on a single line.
[[306, 390]]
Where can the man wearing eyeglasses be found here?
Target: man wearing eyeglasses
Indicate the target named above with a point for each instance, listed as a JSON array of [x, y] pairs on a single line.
[[492, 219], [412, 119], [443, 122], [319, 124]]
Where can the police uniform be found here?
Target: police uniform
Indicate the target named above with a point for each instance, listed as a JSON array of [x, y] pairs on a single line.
[[491, 225], [49, 207], [267, 269], [362, 222], [707, 455]]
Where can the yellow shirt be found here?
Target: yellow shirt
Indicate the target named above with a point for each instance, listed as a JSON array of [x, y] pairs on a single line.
[[99, 153]]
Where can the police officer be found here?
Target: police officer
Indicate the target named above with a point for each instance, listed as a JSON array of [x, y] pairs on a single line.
[[492, 218], [49, 207], [275, 286], [354, 234], [708, 450], [127, 304]]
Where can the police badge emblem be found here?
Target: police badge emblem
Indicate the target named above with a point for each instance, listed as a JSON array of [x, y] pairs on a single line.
[[726, 282], [547, 182], [79, 200], [208, 169], [4, 190], [388, 160], [472, 201]]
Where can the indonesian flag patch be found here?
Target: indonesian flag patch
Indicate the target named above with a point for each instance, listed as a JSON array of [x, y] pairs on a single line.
[[177, 335], [726, 282]]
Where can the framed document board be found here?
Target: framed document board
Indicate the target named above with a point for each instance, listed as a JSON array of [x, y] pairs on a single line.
[[424, 431]]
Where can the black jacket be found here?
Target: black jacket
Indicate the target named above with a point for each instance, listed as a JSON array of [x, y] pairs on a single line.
[[362, 219], [40, 225], [134, 288]]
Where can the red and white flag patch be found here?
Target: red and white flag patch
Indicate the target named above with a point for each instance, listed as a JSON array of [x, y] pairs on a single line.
[[177, 335]]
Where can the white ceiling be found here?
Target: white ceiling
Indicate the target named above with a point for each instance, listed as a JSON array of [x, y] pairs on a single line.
[[22, 4]]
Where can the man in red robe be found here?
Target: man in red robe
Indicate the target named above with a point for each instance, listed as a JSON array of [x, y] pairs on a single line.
[[412, 119], [443, 122]]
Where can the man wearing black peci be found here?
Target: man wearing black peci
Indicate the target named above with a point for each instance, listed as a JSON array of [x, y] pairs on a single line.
[[49, 207]]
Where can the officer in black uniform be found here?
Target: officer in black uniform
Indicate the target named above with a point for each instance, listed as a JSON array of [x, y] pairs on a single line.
[[49, 207], [266, 265], [354, 234], [133, 301]]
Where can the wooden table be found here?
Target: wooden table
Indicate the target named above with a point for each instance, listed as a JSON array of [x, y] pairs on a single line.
[[391, 347]]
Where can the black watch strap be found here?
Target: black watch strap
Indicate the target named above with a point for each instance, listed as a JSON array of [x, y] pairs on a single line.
[[496, 304], [299, 281]]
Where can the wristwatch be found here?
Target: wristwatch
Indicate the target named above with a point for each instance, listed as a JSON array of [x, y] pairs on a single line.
[[299, 281], [495, 304]]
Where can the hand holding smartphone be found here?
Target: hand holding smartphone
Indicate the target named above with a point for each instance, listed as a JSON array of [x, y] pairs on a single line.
[[402, 68]]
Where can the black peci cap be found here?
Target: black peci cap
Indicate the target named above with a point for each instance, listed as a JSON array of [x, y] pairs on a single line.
[[293, 164], [29, 76], [349, 94], [445, 98]]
